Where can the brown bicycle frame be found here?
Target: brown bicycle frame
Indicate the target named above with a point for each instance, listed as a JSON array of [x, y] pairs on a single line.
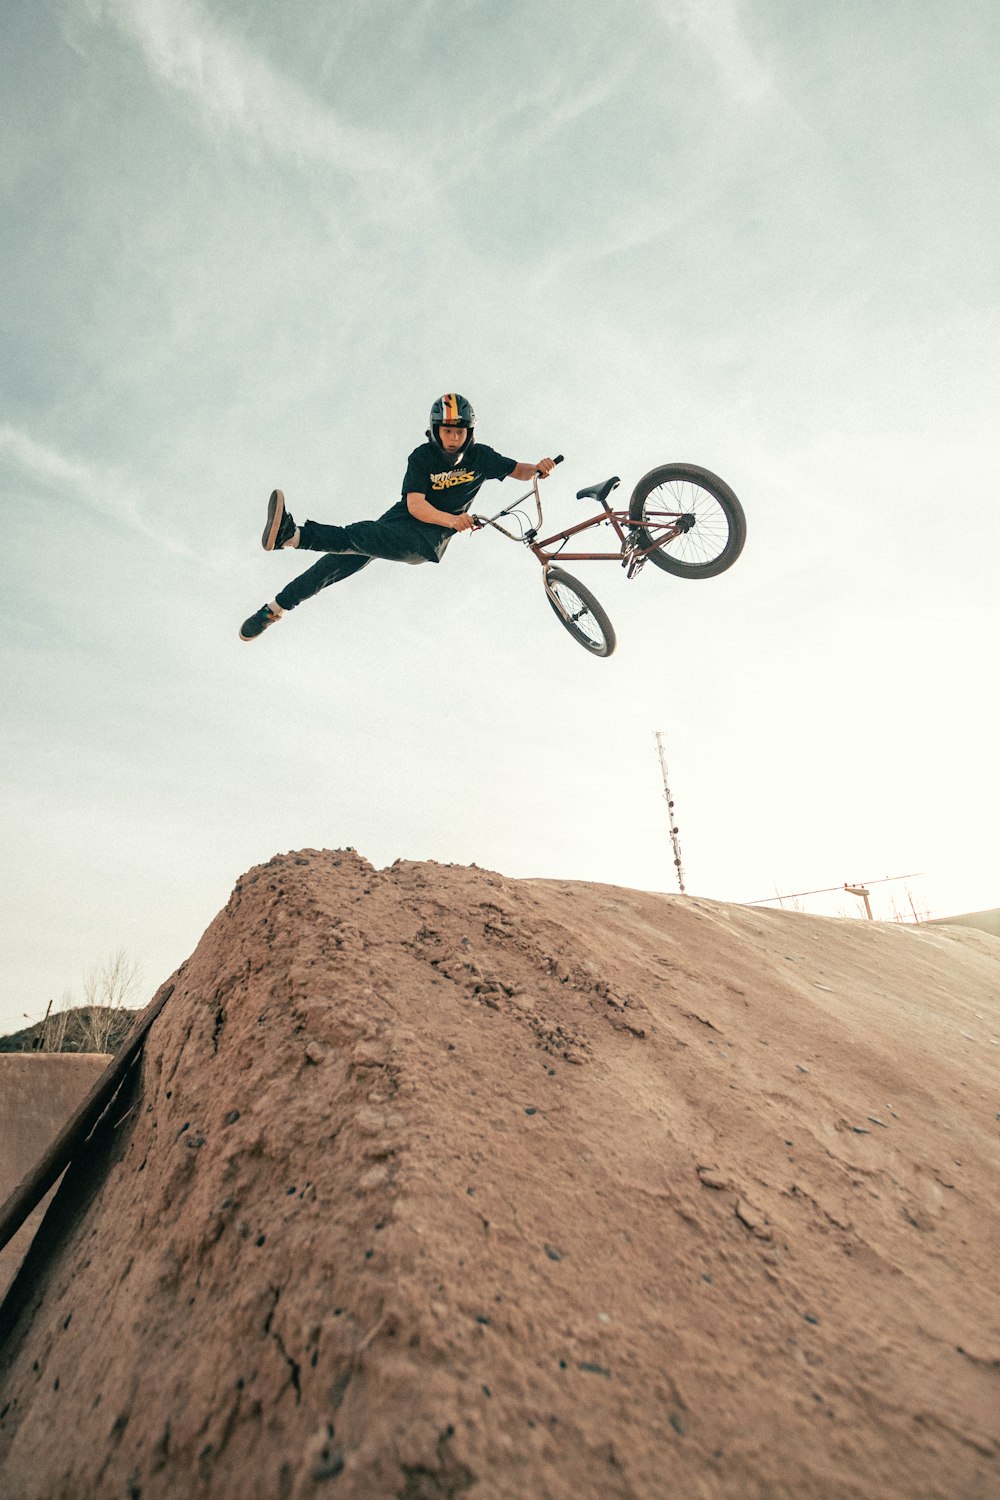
[[615, 517]]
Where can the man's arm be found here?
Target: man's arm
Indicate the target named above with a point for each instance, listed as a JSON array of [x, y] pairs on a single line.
[[543, 469], [422, 510]]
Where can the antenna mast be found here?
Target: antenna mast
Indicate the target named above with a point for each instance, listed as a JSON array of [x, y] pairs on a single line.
[[674, 830]]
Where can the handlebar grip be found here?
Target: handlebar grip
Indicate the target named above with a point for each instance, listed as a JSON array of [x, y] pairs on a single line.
[[558, 459]]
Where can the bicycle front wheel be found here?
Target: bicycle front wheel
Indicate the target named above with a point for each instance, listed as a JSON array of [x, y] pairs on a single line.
[[577, 609], [691, 518]]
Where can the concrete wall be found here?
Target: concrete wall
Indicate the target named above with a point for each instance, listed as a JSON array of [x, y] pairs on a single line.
[[38, 1093]]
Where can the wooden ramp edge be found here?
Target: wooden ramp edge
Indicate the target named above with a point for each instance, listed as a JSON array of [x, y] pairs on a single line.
[[32, 1188]]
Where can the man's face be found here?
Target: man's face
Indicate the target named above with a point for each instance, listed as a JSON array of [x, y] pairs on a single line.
[[452, 438]]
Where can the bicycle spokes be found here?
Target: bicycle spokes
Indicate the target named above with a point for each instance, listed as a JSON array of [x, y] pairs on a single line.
[[693, 537], [577, 609], [573, 610]]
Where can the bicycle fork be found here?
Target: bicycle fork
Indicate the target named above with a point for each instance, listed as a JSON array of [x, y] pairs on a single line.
[[568, 615]]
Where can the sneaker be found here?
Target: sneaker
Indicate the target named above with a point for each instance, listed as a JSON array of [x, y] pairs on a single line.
[[280, 527], [258, 623]]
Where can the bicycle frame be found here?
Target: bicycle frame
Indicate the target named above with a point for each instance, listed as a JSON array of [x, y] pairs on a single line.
[[713, 512], [547, 552]]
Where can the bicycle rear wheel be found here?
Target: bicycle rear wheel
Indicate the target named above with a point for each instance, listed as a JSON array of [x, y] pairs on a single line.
[[691, 517], [577, 609]]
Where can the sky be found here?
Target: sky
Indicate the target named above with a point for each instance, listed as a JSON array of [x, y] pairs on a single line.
[[247, 245]]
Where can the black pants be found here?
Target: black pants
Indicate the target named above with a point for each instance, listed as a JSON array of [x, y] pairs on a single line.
[[348, 549]]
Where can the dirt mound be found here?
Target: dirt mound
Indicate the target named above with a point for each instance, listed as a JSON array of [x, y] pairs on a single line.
[[438, 1183]]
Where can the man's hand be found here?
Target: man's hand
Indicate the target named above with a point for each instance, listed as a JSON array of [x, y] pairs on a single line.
[[422, 510], [543, 469]]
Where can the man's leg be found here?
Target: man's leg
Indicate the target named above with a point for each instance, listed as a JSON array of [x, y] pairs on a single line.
[[329, 569], [393, 540], [348, 549]]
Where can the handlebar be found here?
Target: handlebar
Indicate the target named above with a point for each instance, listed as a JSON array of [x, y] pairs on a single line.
[[480, 521]]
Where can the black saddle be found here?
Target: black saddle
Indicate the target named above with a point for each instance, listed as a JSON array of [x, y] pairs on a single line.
[[599, 492]]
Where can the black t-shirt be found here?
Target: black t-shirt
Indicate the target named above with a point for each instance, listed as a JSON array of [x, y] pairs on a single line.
[[448, 486]]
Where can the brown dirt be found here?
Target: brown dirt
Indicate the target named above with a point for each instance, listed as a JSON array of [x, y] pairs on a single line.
[[442, 1184]]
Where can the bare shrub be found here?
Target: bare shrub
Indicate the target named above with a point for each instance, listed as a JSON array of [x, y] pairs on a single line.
[[104, 1019], [107, 988]]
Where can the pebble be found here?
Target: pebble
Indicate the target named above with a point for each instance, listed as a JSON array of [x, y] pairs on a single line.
[[711, 1179]]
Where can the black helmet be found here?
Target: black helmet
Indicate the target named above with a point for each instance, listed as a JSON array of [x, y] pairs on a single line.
[[452, 411]]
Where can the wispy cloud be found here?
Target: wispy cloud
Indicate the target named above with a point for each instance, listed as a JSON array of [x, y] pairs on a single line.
[[531, 124], [238, 91], [716, 26], [102, 492], [576, 99]]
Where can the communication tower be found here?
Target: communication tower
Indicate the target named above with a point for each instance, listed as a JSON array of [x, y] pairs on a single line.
[[674, 830]]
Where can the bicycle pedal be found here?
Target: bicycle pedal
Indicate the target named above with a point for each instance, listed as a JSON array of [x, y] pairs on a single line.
[[631, 562]]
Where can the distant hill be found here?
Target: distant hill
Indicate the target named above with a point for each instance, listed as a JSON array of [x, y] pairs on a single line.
[[88, 1028], [983, 921]]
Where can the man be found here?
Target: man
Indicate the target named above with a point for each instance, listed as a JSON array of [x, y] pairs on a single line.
[[443, 477]]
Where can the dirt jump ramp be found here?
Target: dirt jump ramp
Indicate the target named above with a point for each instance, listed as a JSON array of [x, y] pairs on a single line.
[[432, 1183]]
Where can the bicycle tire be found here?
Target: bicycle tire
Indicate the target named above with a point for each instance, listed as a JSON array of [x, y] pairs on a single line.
[[576, 608], [718, 529]]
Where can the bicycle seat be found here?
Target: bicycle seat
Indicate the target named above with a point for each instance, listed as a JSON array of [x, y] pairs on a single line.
[[599, 492]]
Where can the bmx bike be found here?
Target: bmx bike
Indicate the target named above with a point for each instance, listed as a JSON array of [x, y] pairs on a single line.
[[681, 518]]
